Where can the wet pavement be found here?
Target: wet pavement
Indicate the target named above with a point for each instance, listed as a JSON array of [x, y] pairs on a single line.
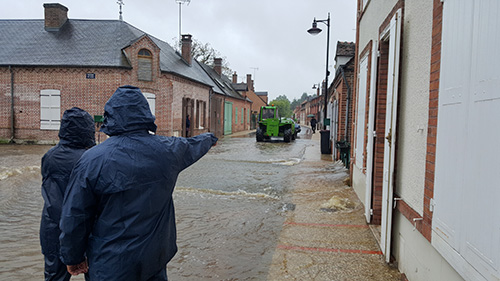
[[326, 237], [245, 211]]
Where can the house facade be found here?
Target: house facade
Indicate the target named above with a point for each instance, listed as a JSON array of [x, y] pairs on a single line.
[[424, 158], [53, 64], [340, 99], [230, 110], [247, 90]]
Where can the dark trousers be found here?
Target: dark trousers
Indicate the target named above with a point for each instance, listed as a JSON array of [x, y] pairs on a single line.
[[55, 270]]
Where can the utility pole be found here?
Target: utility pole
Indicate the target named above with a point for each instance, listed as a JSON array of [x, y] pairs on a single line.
[[120, 2]]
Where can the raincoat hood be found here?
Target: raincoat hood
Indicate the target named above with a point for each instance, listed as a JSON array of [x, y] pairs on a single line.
[[127, 111], [77, 129]]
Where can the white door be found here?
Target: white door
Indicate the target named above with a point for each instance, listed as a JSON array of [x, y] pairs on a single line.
[[394, 38], [371, 128]]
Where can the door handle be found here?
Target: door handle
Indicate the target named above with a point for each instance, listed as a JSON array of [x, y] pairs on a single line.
[[389, 137]]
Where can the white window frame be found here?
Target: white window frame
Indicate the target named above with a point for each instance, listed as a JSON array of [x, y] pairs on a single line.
[[151, 98], [50, 109]]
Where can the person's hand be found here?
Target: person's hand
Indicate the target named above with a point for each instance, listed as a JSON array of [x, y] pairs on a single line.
[[78, 268]]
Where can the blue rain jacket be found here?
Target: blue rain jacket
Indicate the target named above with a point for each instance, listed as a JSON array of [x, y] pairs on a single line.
[[76, 134], [118, 210]]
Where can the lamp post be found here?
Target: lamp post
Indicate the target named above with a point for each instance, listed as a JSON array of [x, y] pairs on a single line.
[[315, 30]]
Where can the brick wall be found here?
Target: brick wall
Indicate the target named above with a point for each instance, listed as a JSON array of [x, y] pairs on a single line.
[[378, 151], [433, 116], [88, 94]]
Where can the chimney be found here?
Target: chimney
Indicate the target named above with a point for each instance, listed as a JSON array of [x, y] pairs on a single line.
[[186, 48], [235, 78], [218, 66], [56, 16], [249, 82]]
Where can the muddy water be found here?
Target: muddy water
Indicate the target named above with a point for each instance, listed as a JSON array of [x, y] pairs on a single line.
[[230, 208]]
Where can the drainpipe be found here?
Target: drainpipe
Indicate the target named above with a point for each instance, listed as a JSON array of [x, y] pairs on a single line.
[[210, 93], [12, 131], [347, 103]]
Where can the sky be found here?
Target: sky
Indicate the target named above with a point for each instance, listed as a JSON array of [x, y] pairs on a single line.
[[265, 38]]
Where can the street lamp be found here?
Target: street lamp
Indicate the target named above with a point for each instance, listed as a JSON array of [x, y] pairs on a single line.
[[315, 30]]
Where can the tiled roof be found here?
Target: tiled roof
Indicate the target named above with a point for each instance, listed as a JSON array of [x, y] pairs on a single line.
[[242, 87], [88, 43], [261, 93], [222, 83], [346, 49]]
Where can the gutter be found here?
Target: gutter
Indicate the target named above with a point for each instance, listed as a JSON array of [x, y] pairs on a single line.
[[12, 130]]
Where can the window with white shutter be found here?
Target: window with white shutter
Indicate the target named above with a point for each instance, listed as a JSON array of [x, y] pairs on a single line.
[[50, 109]]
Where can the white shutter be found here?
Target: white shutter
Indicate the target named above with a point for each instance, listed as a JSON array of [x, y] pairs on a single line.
[[50, 109], [466, 219], [390, 132], [360, 116], [371, 128], [151, 98]]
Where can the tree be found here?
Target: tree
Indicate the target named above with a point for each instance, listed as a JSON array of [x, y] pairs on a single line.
[[283, 105], [204, 53], [297, 102]]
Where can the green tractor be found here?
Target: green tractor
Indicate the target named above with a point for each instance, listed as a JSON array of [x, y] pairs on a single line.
[[271, 125]]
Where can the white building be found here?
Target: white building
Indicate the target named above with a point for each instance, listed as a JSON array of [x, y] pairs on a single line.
[[426, 156]]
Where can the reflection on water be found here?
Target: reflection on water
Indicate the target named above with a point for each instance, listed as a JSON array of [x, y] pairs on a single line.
[[229, 210]]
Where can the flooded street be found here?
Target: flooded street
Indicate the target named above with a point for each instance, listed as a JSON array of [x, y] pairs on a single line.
[[230, 209], [245, 211]]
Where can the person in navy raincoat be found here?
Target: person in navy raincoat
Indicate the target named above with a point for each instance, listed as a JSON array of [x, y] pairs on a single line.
[[76, 134], [118, 211]]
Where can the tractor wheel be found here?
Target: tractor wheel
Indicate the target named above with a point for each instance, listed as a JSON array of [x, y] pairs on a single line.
[[288, 135], [259, 135]]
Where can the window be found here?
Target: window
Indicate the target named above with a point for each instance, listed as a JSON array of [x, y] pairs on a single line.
[[200, 114], [151, 98], [242, 115], [50, 109], [235, 115], [144, 60]]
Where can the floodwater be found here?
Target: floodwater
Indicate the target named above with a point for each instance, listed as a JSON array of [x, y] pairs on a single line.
[[230, 208]]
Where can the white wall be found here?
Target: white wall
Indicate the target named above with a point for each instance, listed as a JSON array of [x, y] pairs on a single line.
[[376, 12], [414, 102], [415, 255], [359, 183]]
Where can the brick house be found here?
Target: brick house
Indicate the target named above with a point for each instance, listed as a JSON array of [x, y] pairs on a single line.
[[425, 142], [230, 110], [50, 65], [339, 96], [247, 90]]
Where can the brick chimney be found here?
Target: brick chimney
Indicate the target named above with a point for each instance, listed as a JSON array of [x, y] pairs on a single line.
[[218, 66], [186, 48], [235, 78], [56, 16], [250, 82]]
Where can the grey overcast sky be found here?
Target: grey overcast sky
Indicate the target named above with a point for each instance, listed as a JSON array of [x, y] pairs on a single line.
[[265, 38]]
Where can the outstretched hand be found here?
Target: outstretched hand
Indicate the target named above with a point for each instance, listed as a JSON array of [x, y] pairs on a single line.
[[78, 268]]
